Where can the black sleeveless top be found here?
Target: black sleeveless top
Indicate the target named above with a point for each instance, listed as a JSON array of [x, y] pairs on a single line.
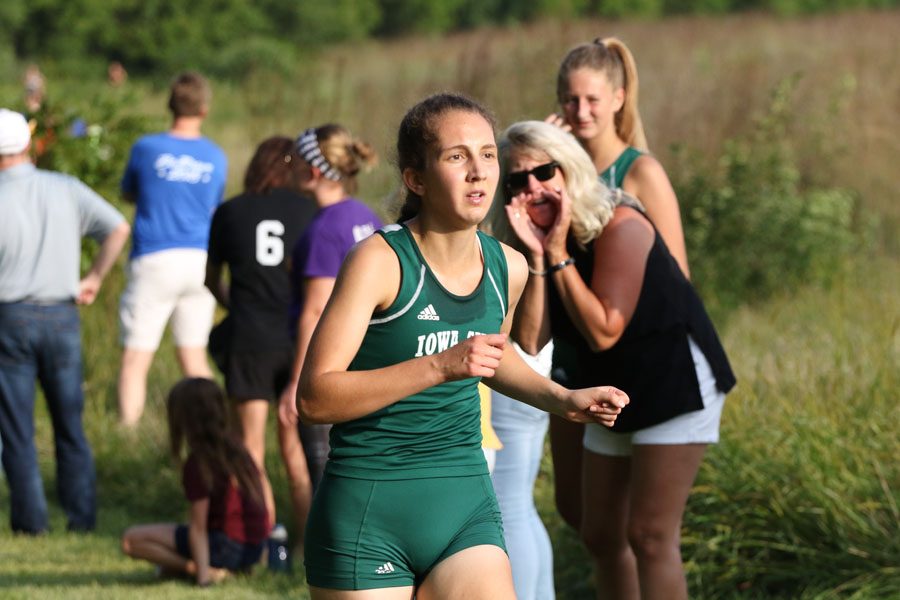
[[652, 360]]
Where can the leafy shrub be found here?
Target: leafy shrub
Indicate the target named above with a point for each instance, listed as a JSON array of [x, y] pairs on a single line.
[[312, 23], [752, 231], [624, 8], [675, 7], [416, 16], [796, 7], [90, 140]]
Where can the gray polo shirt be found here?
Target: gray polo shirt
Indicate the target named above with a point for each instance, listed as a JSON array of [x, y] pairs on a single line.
[[43, 216]]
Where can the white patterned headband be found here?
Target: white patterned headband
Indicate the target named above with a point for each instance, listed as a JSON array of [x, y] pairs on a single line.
[[308, 148]]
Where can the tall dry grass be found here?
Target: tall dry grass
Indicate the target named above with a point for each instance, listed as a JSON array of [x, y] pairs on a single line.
[[702, 78], [801, 495]]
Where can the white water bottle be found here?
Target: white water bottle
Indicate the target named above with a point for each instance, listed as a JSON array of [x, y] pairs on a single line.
[[279, 557]]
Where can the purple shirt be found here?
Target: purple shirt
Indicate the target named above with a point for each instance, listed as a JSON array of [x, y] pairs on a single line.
[[326, 241]]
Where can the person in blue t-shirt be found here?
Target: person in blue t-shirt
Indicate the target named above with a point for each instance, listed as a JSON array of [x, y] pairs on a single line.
[[176, 180]]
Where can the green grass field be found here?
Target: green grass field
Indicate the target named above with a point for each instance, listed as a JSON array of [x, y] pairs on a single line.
[[799, 500]]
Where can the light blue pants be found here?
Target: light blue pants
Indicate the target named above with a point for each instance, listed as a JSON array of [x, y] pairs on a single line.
[[521, 429]]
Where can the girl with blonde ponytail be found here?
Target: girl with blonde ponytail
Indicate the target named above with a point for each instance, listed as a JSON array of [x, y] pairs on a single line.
[[645, 488], [597, 88]]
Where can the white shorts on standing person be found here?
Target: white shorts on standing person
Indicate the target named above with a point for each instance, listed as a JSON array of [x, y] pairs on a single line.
[[619, 308], [597, 89]]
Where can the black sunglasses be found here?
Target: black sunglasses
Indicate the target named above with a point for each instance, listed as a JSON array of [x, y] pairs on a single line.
[[517, 180]]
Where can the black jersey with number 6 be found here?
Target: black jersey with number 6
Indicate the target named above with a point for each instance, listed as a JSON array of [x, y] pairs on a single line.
[[254, 235]]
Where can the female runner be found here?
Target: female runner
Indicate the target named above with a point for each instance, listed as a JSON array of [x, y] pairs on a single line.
[[597, 90], [419, 314]]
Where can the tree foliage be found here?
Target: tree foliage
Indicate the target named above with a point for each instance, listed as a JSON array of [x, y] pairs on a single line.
[[232, 37], [752, 229]]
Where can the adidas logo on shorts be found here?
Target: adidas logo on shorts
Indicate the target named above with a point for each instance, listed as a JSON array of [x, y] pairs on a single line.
[[429, 314], [385, 569]]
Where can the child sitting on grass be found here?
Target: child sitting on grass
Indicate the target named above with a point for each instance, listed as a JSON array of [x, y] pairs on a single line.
[[228, 522]]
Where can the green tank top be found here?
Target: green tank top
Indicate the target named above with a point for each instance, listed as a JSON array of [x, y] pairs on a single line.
[[437, 432], [614, 175]]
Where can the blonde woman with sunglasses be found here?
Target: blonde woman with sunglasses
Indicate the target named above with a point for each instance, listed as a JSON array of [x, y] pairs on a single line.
[[603, 284]]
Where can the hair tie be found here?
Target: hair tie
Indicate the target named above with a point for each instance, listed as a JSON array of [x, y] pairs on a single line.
[[308, 148]]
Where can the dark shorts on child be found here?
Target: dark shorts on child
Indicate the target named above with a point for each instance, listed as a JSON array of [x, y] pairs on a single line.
[[257, 375], [365, 534], [224, 552]]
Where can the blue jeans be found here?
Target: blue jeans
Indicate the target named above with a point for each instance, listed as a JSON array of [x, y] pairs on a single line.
[[43, 342], [521, 429]]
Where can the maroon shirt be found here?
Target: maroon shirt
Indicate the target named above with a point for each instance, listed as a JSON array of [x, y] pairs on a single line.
[[230, 510]]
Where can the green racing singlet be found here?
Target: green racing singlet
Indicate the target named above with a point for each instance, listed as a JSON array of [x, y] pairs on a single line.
[[436, 432], [614, 175]]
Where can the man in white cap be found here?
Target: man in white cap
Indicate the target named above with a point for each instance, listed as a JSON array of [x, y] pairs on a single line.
[[44, 217]]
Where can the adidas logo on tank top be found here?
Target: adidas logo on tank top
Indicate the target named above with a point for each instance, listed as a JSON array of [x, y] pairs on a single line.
[[429, 314]]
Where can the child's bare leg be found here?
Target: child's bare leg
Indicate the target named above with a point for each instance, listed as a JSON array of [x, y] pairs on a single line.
[[155, 543]]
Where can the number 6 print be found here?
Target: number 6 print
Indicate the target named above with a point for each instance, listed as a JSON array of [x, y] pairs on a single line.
[[269, 245]]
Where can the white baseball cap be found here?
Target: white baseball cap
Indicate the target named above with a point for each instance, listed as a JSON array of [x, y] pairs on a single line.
[[15, 134]]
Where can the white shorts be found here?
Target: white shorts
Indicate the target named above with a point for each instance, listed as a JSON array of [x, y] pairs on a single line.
[[166, 284], [490, 456], [540, 362], [696, 427]]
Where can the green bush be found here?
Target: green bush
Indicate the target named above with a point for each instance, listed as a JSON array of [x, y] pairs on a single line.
[[312, 23], [625, 8], [254, 55], [751, 229], [797, 7], [675, 7], [90, 140]]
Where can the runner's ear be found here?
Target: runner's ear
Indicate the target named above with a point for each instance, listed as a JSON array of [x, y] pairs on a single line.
[[412, 179]]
